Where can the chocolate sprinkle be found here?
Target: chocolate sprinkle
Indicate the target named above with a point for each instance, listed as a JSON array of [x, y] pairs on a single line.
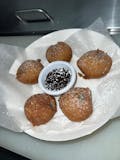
[[57, 79]]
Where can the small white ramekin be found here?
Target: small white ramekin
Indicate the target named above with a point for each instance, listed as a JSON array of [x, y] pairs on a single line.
[[49, 68]]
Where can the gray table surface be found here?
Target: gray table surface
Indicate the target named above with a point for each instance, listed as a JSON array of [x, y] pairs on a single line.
[[104, 144]]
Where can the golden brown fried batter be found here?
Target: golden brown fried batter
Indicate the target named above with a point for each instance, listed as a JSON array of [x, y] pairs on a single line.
[[76, 104], [28, 71], [94, 64], [59, 52], [40, 108]]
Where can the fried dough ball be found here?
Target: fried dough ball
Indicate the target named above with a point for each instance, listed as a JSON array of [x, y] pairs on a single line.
[[40, 108], [76, 104], [28, 71], [94, 64], [59, 52]]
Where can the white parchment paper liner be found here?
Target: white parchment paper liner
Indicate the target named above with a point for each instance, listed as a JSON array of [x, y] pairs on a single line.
[[10, 90], [60, 128]]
